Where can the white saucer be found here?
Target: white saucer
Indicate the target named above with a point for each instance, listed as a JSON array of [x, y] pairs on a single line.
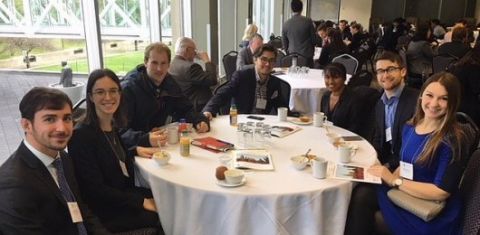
[[224, 183], [298, 122]]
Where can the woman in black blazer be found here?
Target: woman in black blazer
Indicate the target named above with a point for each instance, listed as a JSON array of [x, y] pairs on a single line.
[[340, 104], [103, 167]]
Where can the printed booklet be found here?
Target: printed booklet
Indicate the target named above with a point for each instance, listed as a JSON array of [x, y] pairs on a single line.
[[253, 160], [354, 173]]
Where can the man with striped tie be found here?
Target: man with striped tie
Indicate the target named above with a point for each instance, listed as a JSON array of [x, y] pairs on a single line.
[[38, 191]]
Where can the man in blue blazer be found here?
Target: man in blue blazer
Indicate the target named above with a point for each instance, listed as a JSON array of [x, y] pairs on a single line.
[[38, 191], [253, 90]]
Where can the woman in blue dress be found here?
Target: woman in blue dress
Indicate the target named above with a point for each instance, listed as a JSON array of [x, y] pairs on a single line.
[[431, 163]]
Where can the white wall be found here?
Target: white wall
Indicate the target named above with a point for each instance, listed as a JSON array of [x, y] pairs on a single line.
[[358, 10]]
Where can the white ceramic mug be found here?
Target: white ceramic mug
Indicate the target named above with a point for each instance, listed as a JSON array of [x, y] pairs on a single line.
[[318, 119], [172, 134], [282, 114], [346, 153], [319, 167]]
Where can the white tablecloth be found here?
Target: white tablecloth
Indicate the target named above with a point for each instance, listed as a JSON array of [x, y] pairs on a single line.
[[283, 201], [306, 90]]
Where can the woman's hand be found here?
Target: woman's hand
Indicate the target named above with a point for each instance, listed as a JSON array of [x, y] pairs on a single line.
[[382, 172], [157, 137], [146, 152], [149, 204]]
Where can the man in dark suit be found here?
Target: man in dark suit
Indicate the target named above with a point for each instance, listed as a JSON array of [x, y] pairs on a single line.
[[298, 33], [195, 82], [254, 90], [245, 55], [38, 191], [458, 47], [395, 107]]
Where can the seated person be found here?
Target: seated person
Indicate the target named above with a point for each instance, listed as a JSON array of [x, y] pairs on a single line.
[[195, 83], [419, 57], [254, 90], [38, 190], [458, 47], [154, 99], [104, 168], [431, 151], [245, 55], [334, 48], [340, 104], [358, 36]]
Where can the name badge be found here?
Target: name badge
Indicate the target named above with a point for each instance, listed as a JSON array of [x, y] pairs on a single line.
[[124, 168], [75, 212], [261, 104], [388, 134], [406, 170]]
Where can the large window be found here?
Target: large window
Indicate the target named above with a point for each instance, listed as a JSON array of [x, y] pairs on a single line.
[[263, 16]]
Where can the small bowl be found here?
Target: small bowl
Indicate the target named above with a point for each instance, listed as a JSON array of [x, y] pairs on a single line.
[[161, 157], [234, 176], [299, 162]]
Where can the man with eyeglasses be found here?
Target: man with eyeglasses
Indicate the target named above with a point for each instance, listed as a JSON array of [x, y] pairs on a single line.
[[153, 99], [395, 107], [253, 90], [193, 80]]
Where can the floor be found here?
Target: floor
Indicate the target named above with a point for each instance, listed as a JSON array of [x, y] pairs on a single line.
[[13, 86]]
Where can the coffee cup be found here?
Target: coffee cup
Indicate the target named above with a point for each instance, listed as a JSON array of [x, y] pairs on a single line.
[[346, 153], [319, 166], [282, 114], [172, 134], [318, 119]]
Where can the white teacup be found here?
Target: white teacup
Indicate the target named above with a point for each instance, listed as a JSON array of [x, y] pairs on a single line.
[[319, 166], [318, 119], [346, 152]]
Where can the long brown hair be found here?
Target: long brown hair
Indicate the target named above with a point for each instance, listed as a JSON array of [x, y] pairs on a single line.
[[449, 131]]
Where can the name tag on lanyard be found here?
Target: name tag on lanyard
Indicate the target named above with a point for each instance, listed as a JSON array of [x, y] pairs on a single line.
[[406, 170]]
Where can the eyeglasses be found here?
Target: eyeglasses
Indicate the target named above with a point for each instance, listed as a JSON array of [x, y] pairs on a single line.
[[389, 70], [102, 93], [266, 59]]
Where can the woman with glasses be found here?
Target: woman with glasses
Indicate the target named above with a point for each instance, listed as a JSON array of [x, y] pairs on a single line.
[[103, 167], [340, 104]]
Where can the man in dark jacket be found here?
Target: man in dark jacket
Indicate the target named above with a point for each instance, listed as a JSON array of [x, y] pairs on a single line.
[[154, 99], [254, 90]]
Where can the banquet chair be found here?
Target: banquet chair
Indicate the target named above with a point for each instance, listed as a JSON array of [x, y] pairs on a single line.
[[280, 55], [470, 190], [285, 90], [79, 110], [230, 63], [224, 109], [443, 62], [287, 60], [350, 63], [142, 231]]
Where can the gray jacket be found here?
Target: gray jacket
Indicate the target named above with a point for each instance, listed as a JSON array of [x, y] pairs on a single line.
[[298, 35]]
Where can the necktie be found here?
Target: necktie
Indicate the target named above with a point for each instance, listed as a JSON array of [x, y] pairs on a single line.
[[66, 192]]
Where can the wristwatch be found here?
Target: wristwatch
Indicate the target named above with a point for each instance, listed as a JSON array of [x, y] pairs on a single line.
[[397, 182]]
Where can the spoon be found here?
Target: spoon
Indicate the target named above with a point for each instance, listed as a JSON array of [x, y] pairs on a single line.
[[306, 154]]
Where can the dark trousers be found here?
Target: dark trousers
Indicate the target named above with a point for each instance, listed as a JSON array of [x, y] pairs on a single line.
[[361, 211]]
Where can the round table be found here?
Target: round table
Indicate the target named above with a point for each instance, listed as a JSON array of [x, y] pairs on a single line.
[[282, 201]]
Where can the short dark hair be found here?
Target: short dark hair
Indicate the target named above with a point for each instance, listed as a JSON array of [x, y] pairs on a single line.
[[336, 70], [392, 57], [39, 98], [322, 27], [158, 47], [265, 47], [343, 21], [357, 26], [91, 117], [297, 5]]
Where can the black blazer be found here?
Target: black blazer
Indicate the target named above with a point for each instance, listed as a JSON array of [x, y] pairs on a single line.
[[242, 89], [31, 202], [406, 107], [104, 187], [347, 111]]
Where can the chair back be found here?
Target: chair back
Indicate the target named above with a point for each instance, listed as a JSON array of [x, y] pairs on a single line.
[[280, 55], [443, 62], [471, 130], [350, 63], [230, 63], [470, 190], [224, 109], [362, 78], [276, 42], [287, 60], [79, 110], [285, 90]]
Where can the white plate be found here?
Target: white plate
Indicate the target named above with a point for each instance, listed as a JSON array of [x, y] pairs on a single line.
[[224, 183], [298, 122]]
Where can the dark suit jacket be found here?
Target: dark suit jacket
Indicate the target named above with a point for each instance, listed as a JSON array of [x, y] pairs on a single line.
[[145, 112], [242, 89], [406, 107], [347, 111], [245, 58], [31, 202], [193, 80], [457, 49], [104, 188]]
